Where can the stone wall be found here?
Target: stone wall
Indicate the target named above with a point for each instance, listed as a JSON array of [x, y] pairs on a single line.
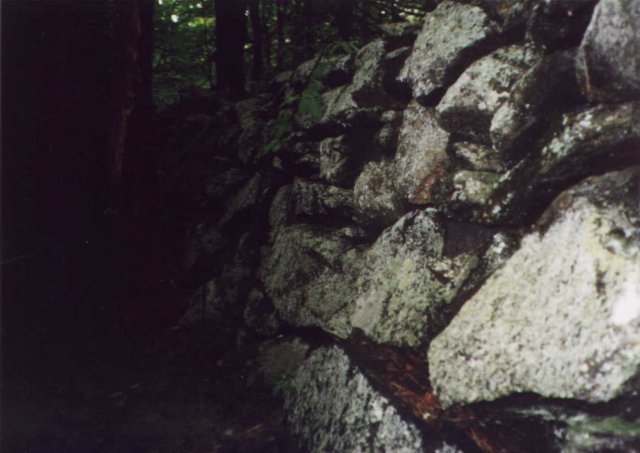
[[467, 195]]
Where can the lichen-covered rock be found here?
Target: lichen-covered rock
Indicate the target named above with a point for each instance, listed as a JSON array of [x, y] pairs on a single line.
[[598, 138], [367, 87], [337, 102], [259, 313], [608, 63], [314, 201], [377, 200], [591, 433], [421, 157], [221, 186], [563, 325], [559, 24], [332, 407], [444, 47], [469, 104], [406, 280], [386, 139], [309, 274], [478, 157], [246, 199], [550, 86], [474, 187], [335, 153], [278, 360]]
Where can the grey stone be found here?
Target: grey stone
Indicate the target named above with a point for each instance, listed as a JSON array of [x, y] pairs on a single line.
[[314, 200], [478, 157], [377, 200], [563, 325], [332, 407], [469, 104], [598, 138], [386, 139], [220, 187], [443, 47], [334, 159], [590, 433], [309, 274], [367, 86], [245, 200], [550, 86], [422, 157], [338, 103], [608, 63], [474, 187], [259, 314], [278, 360], [406, 280]]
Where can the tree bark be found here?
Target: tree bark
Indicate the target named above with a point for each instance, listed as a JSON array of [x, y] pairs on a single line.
[[231, 35], [257, 38]]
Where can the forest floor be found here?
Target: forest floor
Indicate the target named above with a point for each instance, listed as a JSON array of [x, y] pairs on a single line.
[[180, 391]]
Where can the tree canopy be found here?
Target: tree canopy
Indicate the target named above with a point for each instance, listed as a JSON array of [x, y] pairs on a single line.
[[234, 44]]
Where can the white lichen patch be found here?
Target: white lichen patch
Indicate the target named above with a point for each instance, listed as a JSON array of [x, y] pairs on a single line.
[[560, 318]]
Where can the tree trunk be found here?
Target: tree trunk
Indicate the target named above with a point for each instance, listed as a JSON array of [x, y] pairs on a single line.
[[280, 32], [231, 35], [257, 37], [344, 19]]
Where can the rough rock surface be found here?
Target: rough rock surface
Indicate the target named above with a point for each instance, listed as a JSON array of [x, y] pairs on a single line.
[[332, 407], [405, 280], [422, 154], [334, 159], [376, 199], [478, 157], [550, 86], [563, 325], [367, 88], [469, 104], [443, 47], [314, 200], [279, 359], [608, 62], [610, 133], [474, 187], [309, 274], [386, 139]]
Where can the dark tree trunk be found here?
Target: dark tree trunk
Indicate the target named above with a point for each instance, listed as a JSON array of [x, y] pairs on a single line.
[[231, 35], [70, 73], [280, 32], [344, 18], [257, 38]]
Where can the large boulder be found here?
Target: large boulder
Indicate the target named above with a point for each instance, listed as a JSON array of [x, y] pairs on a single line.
[[562, 325], [309, 273], [443, 47], [332, 407], [470, 103], [406, 281], [421, 156], [608, 63]]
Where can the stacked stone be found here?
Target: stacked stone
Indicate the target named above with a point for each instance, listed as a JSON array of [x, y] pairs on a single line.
[[469, 192]]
